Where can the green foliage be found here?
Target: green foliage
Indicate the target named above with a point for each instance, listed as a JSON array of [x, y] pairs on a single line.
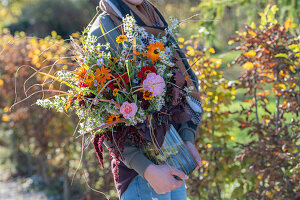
[[221, 18], [219, 168], [40, 17]]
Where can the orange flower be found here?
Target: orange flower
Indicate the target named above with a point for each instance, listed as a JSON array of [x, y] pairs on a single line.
[[71, 98], [147, 95], [154, 51], [102, 75], [112, 118], [81, 72], [89, 79]]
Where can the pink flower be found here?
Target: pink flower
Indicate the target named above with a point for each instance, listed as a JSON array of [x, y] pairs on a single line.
[[154, 83], [128, 109]]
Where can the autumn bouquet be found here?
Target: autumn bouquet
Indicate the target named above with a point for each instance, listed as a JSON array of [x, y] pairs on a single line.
[[123, 94]]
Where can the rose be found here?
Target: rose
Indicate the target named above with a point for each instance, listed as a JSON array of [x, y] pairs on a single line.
[[128, 110], [154, 83]]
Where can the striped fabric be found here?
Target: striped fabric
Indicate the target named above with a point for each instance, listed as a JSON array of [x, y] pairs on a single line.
[[173, 152], [196, 116]]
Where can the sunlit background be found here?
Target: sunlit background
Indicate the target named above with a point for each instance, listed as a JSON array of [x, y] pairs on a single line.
[[249, 138]]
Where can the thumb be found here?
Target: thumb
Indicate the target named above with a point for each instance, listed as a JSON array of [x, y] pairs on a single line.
[[180, 174]]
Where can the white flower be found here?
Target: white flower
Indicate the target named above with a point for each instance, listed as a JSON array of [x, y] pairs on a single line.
[[86, 59], [107, 46], [169, 75], [100, 62]]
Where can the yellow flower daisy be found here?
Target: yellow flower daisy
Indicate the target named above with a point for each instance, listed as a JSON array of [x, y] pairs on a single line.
[[115, 92], [121, 38]]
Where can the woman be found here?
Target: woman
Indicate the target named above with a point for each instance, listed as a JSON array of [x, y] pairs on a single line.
[[138, 177]]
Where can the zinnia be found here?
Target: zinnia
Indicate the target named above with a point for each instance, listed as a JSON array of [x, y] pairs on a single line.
[[128, 110], [154, 83], [146, 70]]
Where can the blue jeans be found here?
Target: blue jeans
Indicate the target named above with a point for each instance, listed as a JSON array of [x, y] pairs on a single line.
[[140, 189]]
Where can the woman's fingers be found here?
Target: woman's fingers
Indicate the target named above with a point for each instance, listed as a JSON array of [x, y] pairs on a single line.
[[180, 174]]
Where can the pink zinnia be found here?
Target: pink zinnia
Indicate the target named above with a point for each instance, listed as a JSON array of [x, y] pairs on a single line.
[[154, 83], [128, 110]]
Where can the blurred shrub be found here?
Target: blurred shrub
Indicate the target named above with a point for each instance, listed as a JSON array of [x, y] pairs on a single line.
[[214, 143], [220, 19], [40, 17], [270, 55], [41, 141]]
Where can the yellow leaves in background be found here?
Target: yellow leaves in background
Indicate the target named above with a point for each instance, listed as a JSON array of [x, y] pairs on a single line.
[[191, 51], [1, 82], [75, 35], [181, 40], [5, 118], [6, 109], [215, 63], [241, 33], [288, 23], [282, 86], [252, 33], [290, 67], [212, 50], [250, 54], [248, 65], [230, 42], [265, 93], [45, 51]]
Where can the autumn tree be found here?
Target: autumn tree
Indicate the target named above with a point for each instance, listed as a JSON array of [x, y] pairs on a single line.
[[270, 56]]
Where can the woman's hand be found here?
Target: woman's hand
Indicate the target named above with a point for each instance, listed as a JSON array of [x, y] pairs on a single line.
[[191, 147], [161, 178]]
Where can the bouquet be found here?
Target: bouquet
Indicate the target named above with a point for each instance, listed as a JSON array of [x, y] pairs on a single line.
[[132, 93]]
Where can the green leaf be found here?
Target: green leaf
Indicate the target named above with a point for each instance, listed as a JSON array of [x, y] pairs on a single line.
[[237, 193], [283, 55], [295, 48], [134, 98]]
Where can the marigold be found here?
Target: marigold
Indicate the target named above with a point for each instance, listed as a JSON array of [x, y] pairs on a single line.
[[147, 95], [154, 51], [102, 75], [121, 38]]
